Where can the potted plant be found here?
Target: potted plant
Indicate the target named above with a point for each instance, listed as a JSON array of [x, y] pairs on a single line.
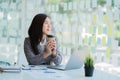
[[89, 65]]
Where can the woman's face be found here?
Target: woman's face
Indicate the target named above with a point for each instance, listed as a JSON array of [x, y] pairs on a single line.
[[46, 26]]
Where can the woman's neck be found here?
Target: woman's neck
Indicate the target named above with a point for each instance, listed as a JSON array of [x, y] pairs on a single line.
[[43, 38]]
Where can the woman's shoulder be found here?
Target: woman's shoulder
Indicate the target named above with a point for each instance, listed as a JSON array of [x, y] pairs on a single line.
[[27, 40]]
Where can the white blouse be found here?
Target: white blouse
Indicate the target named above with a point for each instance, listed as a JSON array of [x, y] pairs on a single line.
[[44, 42]]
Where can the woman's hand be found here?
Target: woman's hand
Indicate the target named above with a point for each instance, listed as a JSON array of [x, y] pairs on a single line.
[[48, 50], [48, 47], [54, 48], [51, 47]]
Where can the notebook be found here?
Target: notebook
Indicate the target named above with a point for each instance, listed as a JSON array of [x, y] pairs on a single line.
[[12, 69], [75, 62]]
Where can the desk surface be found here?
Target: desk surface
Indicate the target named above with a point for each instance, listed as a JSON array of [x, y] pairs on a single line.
[[51, 74]]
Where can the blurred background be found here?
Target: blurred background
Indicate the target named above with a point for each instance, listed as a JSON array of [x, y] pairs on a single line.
[[78, 24]]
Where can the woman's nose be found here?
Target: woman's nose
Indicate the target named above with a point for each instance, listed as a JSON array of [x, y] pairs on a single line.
[[49, 25]]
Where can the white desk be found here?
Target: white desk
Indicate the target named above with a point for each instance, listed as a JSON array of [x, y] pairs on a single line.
[[77, 74]]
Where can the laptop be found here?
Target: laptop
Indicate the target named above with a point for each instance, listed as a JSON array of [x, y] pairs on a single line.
[[75, 62]]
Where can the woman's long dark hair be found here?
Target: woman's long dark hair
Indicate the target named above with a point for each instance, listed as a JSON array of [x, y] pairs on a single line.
[[35, 31]]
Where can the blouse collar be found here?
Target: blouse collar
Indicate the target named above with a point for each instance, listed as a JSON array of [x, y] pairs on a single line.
[[44, 42]]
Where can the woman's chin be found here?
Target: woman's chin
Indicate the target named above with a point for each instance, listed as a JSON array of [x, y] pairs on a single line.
[[47, 33]]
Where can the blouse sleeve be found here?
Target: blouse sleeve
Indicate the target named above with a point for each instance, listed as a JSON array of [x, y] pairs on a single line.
[[31, 57]]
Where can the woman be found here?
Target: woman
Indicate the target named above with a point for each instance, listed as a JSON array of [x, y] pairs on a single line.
[[37, 48]]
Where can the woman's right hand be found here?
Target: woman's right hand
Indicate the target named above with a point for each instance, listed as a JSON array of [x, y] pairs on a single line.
[[48, 46], [48, 50]]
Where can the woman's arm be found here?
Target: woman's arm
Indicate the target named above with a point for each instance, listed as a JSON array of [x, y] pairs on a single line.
[[58, 58], [31, 57]]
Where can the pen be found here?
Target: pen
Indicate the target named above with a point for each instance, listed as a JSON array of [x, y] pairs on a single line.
[[25, 68], [23, 65]]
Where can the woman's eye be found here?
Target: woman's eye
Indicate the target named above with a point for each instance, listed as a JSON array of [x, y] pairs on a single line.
[[46, 22]]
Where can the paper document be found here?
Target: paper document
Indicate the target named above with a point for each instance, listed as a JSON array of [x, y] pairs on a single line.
[[33, 67]]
